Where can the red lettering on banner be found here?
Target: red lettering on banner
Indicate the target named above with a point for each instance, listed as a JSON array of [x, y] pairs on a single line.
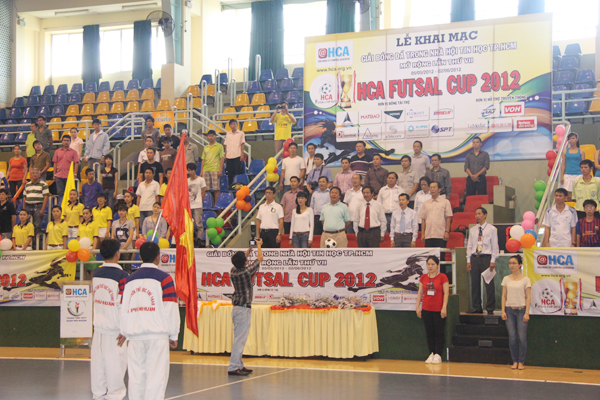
[[361, 91], [461, 83]]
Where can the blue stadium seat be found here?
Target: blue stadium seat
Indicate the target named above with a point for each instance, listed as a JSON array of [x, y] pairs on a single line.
[[35, 91], [556, 108], [198, 167], [299, 124], [568, 64], [282, 74], [206, 215], [207, 203], [7, 138], [265, 75], [133, 84], [269, 86], [300, 84], [147, 83], [581, 86], [555, 64], [286, 85], [241, 179], [29, 112], [19, 102], [252, 200], [43, 111], [91, 87], [298, 73], [206, 78], [157, 84], [585, 76], [262, 184], [294, 97], [223, 79], [46, 100], [3, 114], [49, 89], [33, 101], [225, 198], [77, 88], [573, 49], [577, 107], [104, 86], [15, 113], [24, 124], [21, 138], [275, 98], [266, 126], [74, 98], [564, 78], [62, 89], [58, 111], [119, 85], [254, 87], [256, 166], [224, 183], [61, 99], [556, 51], [10, 128]]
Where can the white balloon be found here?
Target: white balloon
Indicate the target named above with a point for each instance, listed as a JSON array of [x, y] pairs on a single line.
[[85, 243], [5, 244], [516, 232]]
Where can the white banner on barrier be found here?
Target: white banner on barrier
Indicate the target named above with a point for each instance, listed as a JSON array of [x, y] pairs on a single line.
[[386, 278], [76, 311]]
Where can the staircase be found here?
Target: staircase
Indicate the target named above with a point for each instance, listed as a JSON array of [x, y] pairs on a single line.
[[480, 339]]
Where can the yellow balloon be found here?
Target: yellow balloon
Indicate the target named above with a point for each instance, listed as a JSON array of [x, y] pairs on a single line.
[[271, 177], [272, 160], [163, 243], [555, 138], [74, 245], [270, 168]]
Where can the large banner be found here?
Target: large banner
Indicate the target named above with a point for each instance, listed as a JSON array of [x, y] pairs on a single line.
[[386, 278], [565, 281], [31, 278], [442, 85]]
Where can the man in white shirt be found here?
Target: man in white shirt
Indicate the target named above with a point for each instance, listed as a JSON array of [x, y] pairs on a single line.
[[142, 156], [388, 197], [234, 151], [318, 199], [196, 190], [560, 222], [76, 142], [420, 162], [422, 196], [482, 251], [404, 229], [309, 160], [147, 193], [354, 198], [343, 179], [370, 221], [291, 166], [269, 221], [97, 145]]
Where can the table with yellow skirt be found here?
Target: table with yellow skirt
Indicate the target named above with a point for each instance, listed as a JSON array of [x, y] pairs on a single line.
[[287, 332]]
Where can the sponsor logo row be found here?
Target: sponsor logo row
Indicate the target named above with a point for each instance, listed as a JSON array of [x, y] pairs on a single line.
[[348, 118], [37, 295], [517, 124], [374, 298], [394, 131], [510, 109]]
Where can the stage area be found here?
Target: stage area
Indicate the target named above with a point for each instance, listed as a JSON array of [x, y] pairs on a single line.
[[37, 374]]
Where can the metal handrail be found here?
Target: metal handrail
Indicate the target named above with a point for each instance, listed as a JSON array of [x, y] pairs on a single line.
[[245, 78], [257, 66], [232, 90], [217, 80]]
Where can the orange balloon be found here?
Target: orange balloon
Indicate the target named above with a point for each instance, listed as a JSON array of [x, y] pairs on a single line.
[[246, 190], [84, 254], [240, 194], [527, 240], [240, 204], [247, 207]]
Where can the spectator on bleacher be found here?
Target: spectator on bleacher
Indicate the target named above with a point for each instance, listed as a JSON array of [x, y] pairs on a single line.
[[213, 157], [17, 171], [318, 199], [288, 202], [388, 197], [436, 217], [343, 179], [133, 211], [73, 213], [516, 302], [163, 230], [335, 217], [597, 164], [109, 178], [588, 227], [420, 162], [354, 198], [360, 162], [370, 222], [585, 187], [62, 160], [96, 146], [103, 216], [191, 150], [283, 121], [163, 187], [76, 142], [151, 131], [376, 176], [29, 150], [175, 141], [477, 163], [560, 222], [234, 151], [408, 179], [439, 175], [196, 190], [124, 229], [147, 193], [482, 252], [143, 156], [2, 179], [155, 166], [167, 154], [422, 196], [570, 168], [320, 171], [23, 232], [40, 160], [404, 228], [89, 228], [44, 135], [35, 198], [8, 216], [57, 231], [269, 221], [291, 166], [309, 160], [303, 223], [90, 189]]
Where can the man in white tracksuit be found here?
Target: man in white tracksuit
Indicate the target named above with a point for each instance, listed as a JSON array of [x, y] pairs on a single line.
[[109, 358], [150, 322]]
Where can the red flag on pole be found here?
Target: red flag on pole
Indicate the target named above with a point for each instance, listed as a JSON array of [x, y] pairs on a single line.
[[178, 214]]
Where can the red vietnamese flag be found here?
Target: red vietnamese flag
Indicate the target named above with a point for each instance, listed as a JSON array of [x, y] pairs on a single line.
[[178, 214]]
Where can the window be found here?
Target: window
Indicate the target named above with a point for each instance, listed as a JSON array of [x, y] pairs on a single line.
[[489, 9], [159, 53], [397, 13], [573, 21], [432, 12], [67, 52], [301, 21], [234, 42]]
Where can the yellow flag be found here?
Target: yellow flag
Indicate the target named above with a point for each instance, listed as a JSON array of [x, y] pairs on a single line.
[[70, 186]]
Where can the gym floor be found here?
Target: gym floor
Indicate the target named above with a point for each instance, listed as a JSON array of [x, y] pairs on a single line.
[[40, 374]]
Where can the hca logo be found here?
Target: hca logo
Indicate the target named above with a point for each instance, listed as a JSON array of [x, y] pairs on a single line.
[[542, 260], [334, 52]]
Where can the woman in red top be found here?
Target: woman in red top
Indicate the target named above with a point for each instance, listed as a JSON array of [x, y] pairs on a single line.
[[433, 291], [17, 171]]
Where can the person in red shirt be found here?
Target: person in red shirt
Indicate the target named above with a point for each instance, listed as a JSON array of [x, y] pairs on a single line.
[[433, 292]]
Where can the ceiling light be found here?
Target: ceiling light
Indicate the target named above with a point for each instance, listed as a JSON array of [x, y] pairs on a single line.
[[72, 12], [135, 6]]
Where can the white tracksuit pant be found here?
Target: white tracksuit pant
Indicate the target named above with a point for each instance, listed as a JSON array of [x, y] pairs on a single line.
[[148, 368], [108, 367]]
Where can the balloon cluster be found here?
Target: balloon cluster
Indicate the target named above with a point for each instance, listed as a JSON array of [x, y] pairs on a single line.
[[286, 148], [551, 157], [161, 242], [79, 249], [243, 199], [540, 188], [215, 231], [559, 136], [522, 235], [5, 244], [272, 169]]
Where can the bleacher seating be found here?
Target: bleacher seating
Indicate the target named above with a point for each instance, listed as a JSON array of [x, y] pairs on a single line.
[[132, 95], [274, 98], [491, 181], [133, 84], [90, 87], [564, 78], [250, 126], [242, 100], [35, 91], [225, 198], [461, 220], [265, 75], [294, 97], [474, 202], [29, 112], [286, 85], [298, 73], [459, 186], [269, 86], [43, 111], [163, 105], [118, 85], [104, 86], [282, 74], [49, 90], [253, 87], [19, 102], [266, 127], [300, 84], [77, 88], [46, 100], [147, 83], [33, 101], [118, 95], [568, 64], [259, 99], [75, 98], [206, 78], [61, 99], [62, 89]]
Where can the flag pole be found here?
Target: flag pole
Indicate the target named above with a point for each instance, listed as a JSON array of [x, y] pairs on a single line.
[[156, 227]]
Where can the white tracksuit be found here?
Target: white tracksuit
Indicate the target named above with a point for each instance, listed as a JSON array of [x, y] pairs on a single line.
[[109, 361], [149, 319]]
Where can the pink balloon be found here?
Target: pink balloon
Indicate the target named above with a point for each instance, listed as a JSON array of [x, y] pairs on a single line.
[[528, 216], [560, 130], [527, 224], [559, 142]]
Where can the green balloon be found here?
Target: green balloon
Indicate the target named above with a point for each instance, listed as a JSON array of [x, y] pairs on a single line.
[[537, 205], [149, 234], [211, 232], [216, 240], [89, 265], [211, 222], [223, 233], [220, 222], [539, 186], [539, 195]]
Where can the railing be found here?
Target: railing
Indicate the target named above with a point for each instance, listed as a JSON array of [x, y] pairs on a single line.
[[221, 117], [564, 94], [257, 68]]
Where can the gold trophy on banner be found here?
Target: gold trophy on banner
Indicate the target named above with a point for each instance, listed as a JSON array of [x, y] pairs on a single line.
[[346, 84], [572, 296]]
